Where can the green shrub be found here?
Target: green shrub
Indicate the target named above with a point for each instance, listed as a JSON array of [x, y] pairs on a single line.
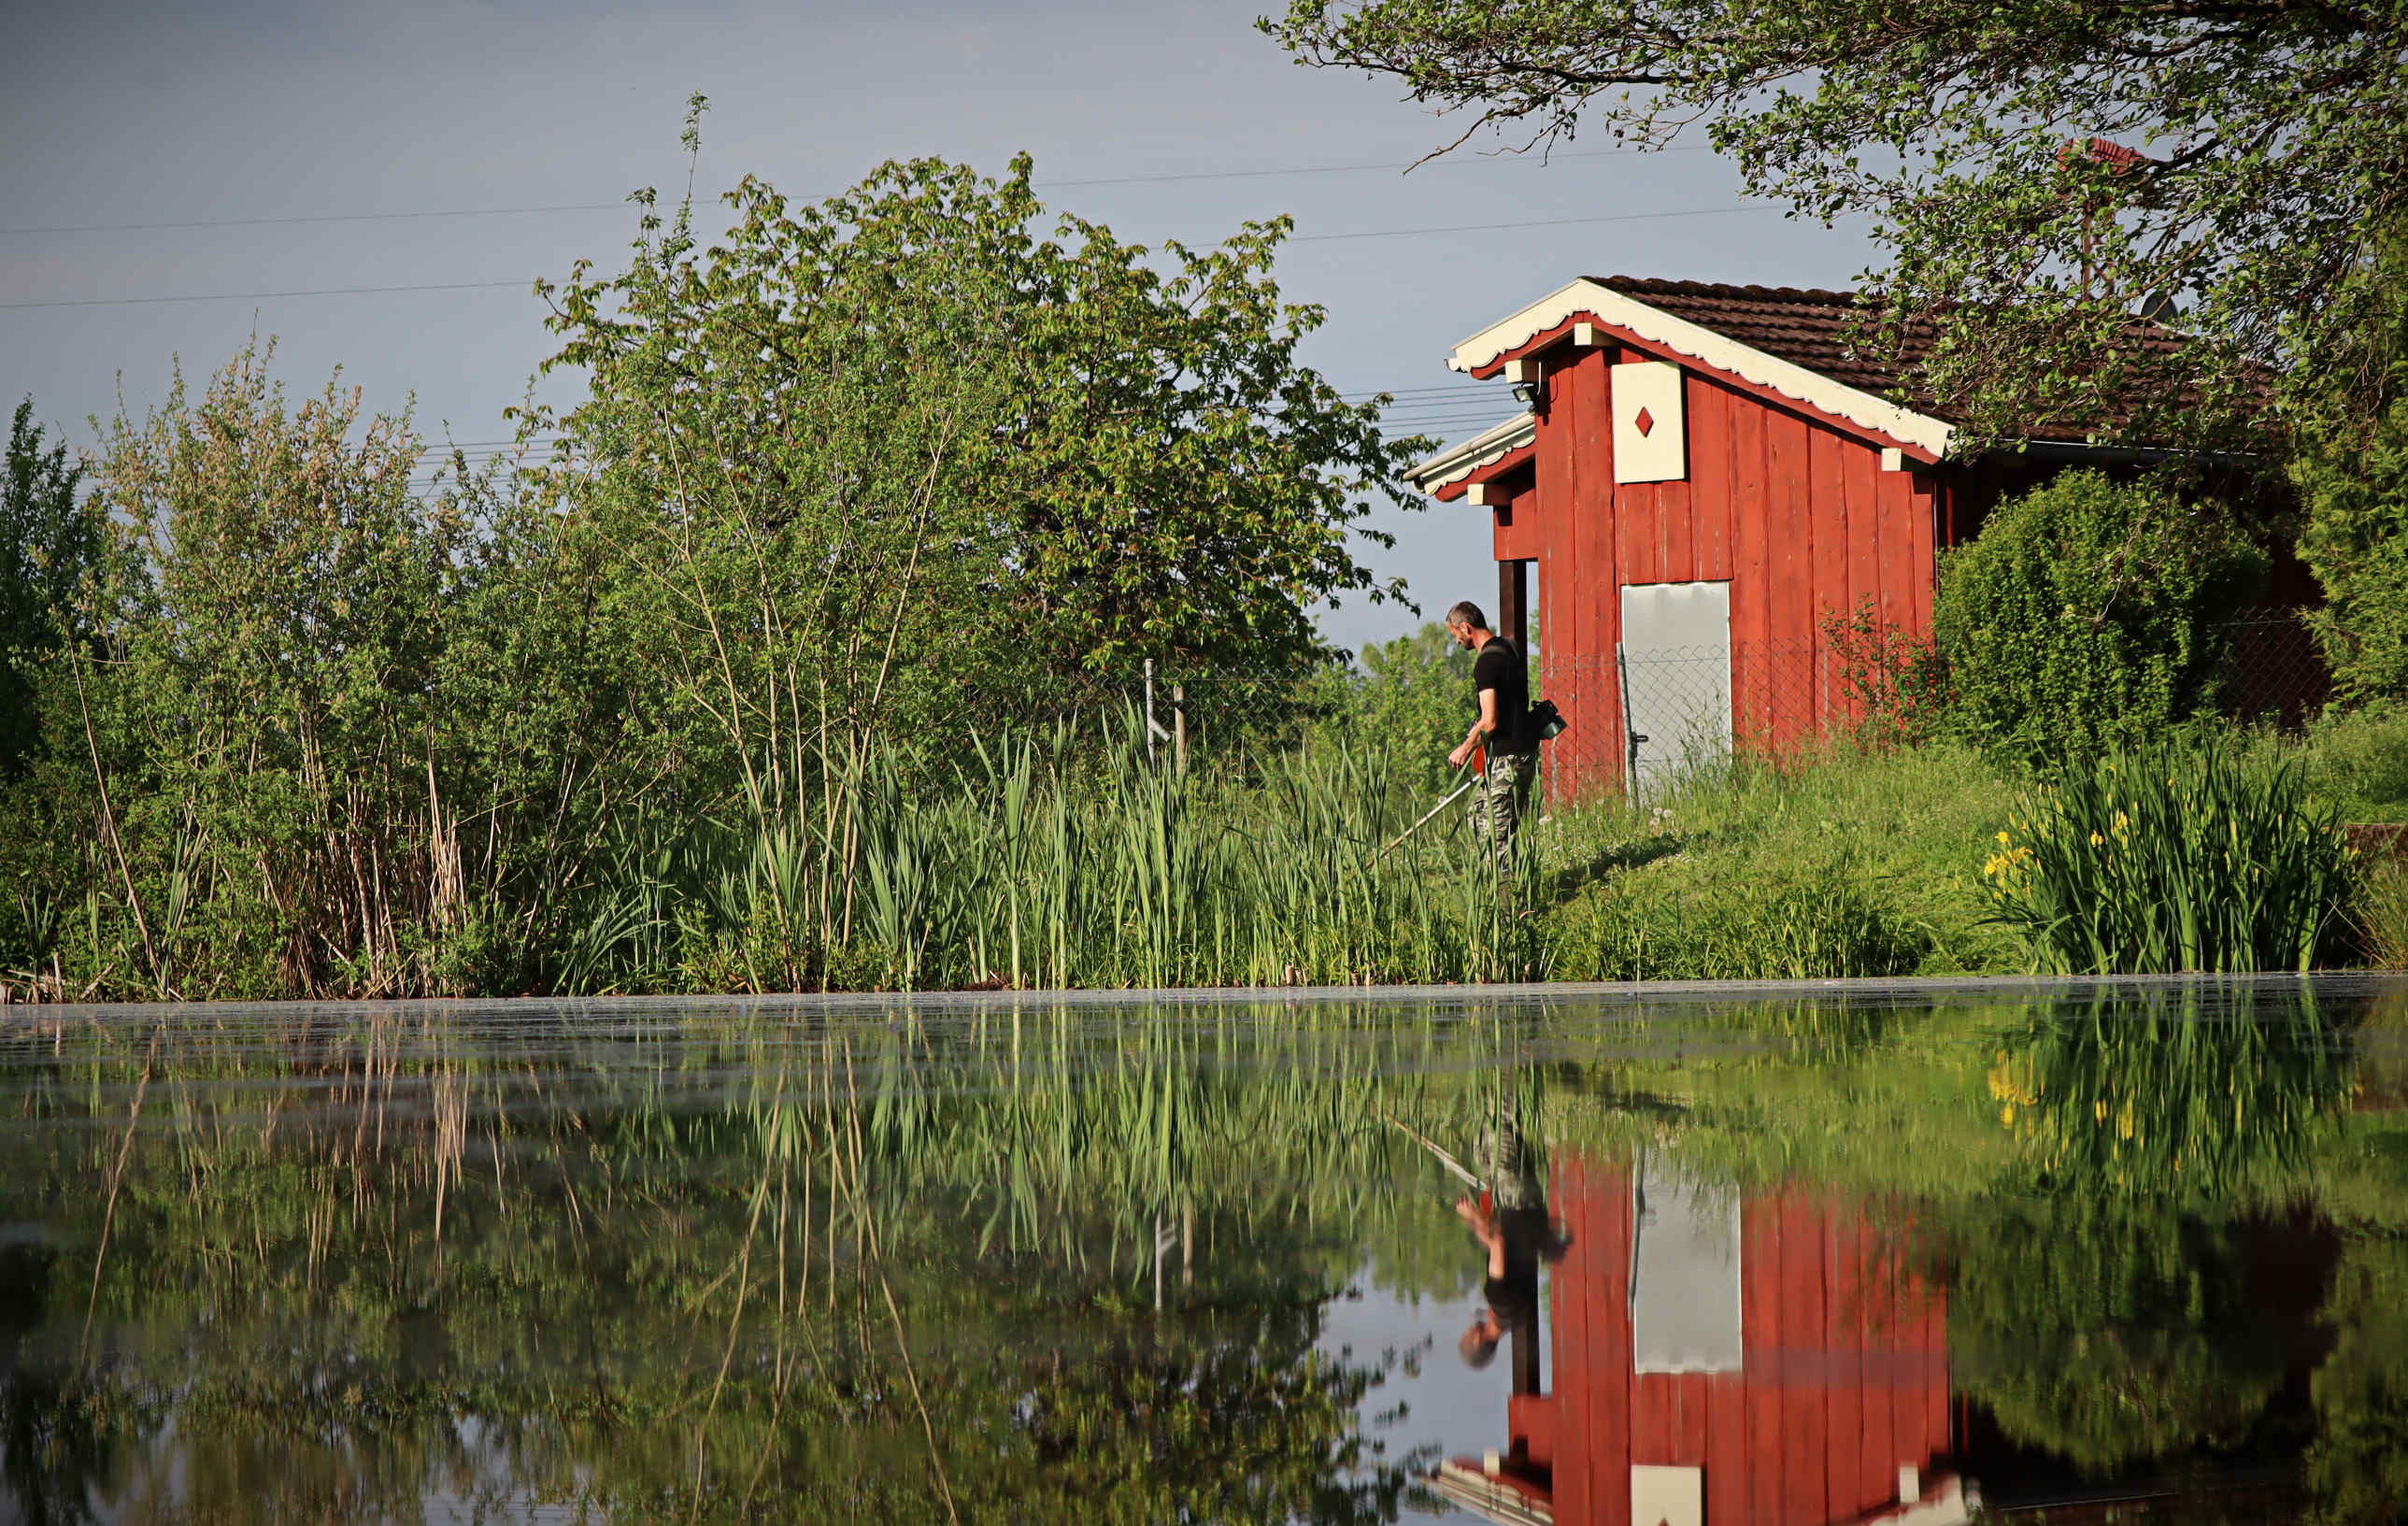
[[2108, 1329], [2166, 858], [50, 539], [1416, 700], [2088, 615], [2354, 484], [1899, 682]]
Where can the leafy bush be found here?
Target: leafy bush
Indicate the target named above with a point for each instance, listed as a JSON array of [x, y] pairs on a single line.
[[2358, 1465], [2111, 1330], [2088, 615], [1899, 682], [2167, 858], [50, 541], [2354, 484]]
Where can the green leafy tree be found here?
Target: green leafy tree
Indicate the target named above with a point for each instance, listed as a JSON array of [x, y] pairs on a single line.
[[1416, 696], [2113, 1330], [2351, 471], [265, 716], [891, 461], [2274, 147], [50, 541], [54, 546], [2358, 1463], [2355, 541], [2088, 614]]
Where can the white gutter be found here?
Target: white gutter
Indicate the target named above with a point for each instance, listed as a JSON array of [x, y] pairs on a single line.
[[1491, 445]]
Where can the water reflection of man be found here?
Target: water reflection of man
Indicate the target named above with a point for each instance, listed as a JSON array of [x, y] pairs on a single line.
[[1514, 1229]]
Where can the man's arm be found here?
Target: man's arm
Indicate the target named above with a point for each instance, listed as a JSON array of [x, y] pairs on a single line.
[[1482, 729], [1484, 1229]]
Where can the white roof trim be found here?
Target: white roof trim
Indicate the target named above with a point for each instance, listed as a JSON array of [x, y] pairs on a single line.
[[1491, 445], [1708, 348]]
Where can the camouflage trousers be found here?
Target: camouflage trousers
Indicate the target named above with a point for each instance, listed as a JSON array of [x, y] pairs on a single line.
[[1500, 1158], [1497, 802]]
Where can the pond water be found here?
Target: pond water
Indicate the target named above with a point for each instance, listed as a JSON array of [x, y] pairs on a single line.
[[2106, 1250]]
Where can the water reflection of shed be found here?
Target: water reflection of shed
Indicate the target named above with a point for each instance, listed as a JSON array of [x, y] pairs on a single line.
[[1720, 1360]]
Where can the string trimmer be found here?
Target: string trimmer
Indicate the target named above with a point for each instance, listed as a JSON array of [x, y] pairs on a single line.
[[1452, 796]]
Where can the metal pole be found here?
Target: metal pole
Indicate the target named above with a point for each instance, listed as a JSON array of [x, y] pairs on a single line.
[[1632, 738], [1150, 727], [1452, 796], [1179, 723]]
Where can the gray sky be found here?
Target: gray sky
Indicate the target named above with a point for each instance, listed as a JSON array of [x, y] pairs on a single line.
[[133, 114]]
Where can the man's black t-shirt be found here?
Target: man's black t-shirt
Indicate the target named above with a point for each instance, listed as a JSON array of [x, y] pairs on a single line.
[[1499, 667]]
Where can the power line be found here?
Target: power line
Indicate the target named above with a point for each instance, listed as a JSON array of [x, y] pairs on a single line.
[[622, 202], [487, 285], [262, 297], [329, 217]]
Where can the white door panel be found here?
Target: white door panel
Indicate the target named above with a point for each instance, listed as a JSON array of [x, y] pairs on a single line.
[[1675, 676]]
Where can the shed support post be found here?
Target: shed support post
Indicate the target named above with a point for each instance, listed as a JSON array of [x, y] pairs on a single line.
[[1513, 605]]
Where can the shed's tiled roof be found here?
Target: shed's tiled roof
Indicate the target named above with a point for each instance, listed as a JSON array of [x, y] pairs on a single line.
[[1808, 327]]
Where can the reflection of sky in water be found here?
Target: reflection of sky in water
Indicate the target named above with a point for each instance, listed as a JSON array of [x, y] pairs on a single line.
[[1444, 1403]]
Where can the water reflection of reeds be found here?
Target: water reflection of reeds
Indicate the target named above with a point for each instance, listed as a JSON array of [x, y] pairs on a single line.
[[2181, 1090], [1002, 1260]]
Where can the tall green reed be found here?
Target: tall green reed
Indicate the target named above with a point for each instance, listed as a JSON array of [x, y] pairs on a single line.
[[2172, 857], [1070, 858]]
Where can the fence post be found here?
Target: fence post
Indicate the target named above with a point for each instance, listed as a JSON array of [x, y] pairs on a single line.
[[1179, 725], [1149, 726], [1630, 737]]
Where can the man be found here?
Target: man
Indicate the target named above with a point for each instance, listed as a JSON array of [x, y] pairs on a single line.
[[1500, 684], [1516, 1232]]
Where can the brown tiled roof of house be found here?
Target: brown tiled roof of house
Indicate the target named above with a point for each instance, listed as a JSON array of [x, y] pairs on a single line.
[[1809, 328]]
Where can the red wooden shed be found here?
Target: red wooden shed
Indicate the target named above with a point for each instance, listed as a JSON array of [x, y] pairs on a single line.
[[1705, 473]]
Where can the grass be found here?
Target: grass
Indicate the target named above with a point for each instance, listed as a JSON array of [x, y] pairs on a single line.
[[1847, 861], [1852, 860], [2356, 764], [2379, 908]]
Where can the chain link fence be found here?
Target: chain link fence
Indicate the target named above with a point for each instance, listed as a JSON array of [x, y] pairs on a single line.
[[1650, 715], [2277, 673], [1645, 716]]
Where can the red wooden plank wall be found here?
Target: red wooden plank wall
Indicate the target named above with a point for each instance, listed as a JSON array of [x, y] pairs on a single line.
[[1799, 518], [1844, 1375], [1515, 525]]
